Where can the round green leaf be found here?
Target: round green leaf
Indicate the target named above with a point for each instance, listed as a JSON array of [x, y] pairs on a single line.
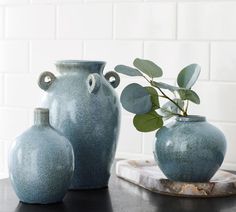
[[148, 122], [154, 97], [127, 70], [136, 99], [164, 86], [186, 94], [188, 76], [148, 67]]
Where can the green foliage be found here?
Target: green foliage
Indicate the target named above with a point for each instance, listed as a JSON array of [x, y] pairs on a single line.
[[148, 122], [128, 70], [148, 67], [186, 94], [188, 76], [136, 99], [154, 97], [169, 109], [164, 86], [144, 101]]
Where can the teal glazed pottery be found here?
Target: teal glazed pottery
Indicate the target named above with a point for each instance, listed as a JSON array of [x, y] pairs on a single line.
[[41, 162], [189, 149], [85, 108]]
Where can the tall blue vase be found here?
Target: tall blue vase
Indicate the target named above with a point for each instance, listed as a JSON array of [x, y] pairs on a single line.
[[41, 162], [189, 149], [85, 108]]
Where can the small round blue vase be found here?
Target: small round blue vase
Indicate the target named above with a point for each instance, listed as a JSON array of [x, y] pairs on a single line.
[[41, 163], [189, 149]]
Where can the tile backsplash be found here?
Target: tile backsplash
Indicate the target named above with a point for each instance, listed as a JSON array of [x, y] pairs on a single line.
[[173, 33]]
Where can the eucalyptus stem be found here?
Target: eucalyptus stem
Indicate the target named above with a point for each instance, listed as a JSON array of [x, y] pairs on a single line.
[[165, 96], [176, 114], [186, 109], [146, 79]]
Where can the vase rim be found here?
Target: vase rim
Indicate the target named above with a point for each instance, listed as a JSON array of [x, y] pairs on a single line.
[[77, 62], [73, 66], [190, 118]]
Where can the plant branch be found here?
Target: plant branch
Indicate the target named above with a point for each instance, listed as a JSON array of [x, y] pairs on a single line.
[[165, 96], [176, 114], [146, 78], [186, 109]]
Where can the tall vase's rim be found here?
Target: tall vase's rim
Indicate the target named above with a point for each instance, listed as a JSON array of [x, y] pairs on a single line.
[[79, 62], [190, 118]]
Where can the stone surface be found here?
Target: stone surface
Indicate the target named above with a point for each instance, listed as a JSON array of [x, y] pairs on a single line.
[[146, 174]]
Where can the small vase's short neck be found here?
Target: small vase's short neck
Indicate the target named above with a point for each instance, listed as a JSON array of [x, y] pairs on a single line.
[[191, 118], [75, 66], [41, 116]]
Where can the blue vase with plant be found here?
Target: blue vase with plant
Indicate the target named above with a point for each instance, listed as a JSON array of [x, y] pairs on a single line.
[[187, 148]]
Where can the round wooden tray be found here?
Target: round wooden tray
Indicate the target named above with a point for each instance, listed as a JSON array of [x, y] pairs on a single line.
[[146, 174]]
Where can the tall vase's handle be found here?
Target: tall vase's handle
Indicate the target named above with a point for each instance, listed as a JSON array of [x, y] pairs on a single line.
[[45, 80], [113, 78], [93, 82]]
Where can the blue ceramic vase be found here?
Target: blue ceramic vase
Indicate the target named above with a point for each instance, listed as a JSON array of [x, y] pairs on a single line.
[[41, 163], [189, 149], [85, 108]]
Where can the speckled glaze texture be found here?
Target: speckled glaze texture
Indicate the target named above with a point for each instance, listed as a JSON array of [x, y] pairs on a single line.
[[85, 108], [189, 149], [41, 164]]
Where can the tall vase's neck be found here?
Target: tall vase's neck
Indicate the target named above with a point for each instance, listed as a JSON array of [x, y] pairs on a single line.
[[41, 116], [75, 66]]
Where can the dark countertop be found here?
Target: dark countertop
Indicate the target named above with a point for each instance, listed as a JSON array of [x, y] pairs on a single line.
[[121, 196]]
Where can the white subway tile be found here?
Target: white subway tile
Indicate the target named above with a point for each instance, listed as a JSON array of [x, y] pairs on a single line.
[[6, 2], [2, 157], [30, 21], [45, 53], [113, 52], [173, 56], [145, 21], [14, 56], [112, 0], [8, 145], [148, 141], [85, 21], [13, 122], [217, 101], [66, 1], [229, 131], [1, 89], [207, 20], [130, 140], [22, 91], [44, 1], [55, 1], [223, 61], [1, 22]]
